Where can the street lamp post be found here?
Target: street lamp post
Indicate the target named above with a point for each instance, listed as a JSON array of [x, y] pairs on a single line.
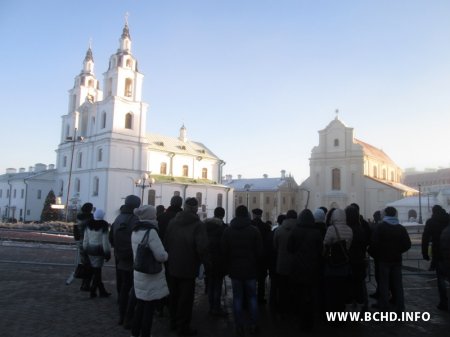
[[247, 189], [73, 141], [420, 204], [143, 183]]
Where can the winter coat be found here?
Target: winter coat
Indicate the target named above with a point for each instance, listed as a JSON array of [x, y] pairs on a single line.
[[149, 287], [164, 219], [389, 242], [215, 228], [306, 246], [186, 242], [280, 240], [96, 238], [80, 225], [360, 242], [445, 250], [126, 216], [267, 242], [242, 246], [432, 232], [338, 219]]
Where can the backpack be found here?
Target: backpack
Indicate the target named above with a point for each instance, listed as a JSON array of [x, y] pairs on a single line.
[[337, 253], [122, 241]]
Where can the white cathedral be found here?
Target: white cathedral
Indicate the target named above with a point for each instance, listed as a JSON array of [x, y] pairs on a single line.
[[106, 154]]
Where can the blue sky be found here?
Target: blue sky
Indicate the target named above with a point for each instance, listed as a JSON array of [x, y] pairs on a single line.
[[254, 80]]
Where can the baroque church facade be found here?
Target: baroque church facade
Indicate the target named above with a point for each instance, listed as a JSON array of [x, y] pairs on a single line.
[[345, 170], [105, 153]]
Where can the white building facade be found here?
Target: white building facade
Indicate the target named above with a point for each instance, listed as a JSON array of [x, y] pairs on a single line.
[[104, 148], [345, 170]]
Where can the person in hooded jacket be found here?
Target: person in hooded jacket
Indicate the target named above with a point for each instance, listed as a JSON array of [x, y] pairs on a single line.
[[242, 247], [216, 270], [444, 248], [96, 245], [306, 245], [336, 278], [432, 233], [78, 233], [120, 239], [148, 288], [186, 242], [389, 241], [284, 261]]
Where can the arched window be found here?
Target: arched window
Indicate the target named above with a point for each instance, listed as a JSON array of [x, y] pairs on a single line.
[[128, 63], [64, 161], [336, 179], [96, 185], [219, 200], [103, 125], [336, 142], [128, 121], [61, 187], [392, 175], [163, 168], [384, 174], [100, 154], [198, 196], [240, 200], [109, 86], [204, 173], [80, 160], [77, 185], [375, 172], [185, 170], [91, 83], [128, 87], [151, 197]]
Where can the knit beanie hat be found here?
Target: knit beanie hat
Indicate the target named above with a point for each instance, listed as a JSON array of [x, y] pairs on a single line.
[[145, 212], [191, 204], [99, 214], [176, 201]]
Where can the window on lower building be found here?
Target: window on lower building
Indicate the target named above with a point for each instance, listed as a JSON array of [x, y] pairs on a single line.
[[22, 193], [204, 173], [198, 196], [100, 155], [96, 186], [336, 179], [39, 194], [185, 170], [128, 121], [80, 160], [77, 185], [151, 197], [219, 200], [163, 168]]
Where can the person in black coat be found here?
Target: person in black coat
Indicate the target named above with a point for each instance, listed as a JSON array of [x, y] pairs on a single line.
[[389, 241], [215, 272], [242, 247], [358, 257], [264, 260], [306, 245], [164, 218], [432, 233]]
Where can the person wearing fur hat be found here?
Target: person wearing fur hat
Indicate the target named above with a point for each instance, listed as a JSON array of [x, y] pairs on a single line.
[[96, 245], [149, 288], [83, 218], [186, 242]]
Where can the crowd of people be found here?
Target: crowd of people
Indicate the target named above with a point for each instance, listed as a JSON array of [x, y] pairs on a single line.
[[315, 261]]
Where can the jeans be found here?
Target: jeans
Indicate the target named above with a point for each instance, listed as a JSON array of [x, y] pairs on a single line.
[[247, 287], [391, 279]]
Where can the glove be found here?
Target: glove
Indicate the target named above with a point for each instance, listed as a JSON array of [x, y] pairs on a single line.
[[426, 257]]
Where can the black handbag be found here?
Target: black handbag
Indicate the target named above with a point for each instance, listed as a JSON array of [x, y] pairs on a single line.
[[145, 261], [82, 271], [337, 253], [96, 250]]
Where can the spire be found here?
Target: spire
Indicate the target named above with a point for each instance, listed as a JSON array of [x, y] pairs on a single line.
[[126, 30], [89, 56]]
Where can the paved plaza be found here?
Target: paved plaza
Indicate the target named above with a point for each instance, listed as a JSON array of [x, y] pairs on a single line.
[[36, 302]]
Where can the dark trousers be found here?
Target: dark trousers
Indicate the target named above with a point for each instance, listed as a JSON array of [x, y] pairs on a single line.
[[143, 318], [391, 277], [274, 295], [306, 299], [442, 287], [125, 278], [261, 288], [97, 282], [214, 290], [181, 301], [286, 287]]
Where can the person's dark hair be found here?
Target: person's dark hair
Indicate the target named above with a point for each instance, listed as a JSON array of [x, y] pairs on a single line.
[[352, 216], [291, 214], [328, 216], [390, 211], [324, 209], [377, 216], [87, 207], [176, 201], [160, 209], [306, 218], [355, 205], [219, 212], [281, 218], [241, 211]]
